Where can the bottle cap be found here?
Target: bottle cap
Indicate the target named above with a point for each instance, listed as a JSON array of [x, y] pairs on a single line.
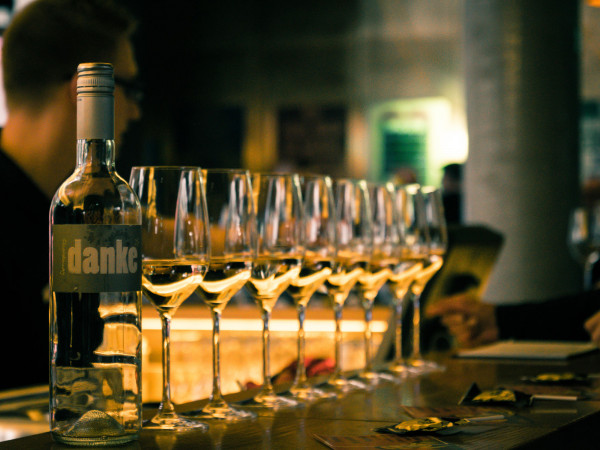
[[95, 101], [95, 78]]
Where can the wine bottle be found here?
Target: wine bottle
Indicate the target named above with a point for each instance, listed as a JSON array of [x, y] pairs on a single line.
[[95, 283]]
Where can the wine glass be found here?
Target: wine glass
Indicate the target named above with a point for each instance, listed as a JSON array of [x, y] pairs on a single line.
[[435, 230], [412, 251], [278, 205], [319, 243], [383, 258], [232, 250], [353, 222], [584, 240], [174, 258]]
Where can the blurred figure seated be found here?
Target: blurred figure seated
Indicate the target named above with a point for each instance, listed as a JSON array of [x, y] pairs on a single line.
[[472, 322]]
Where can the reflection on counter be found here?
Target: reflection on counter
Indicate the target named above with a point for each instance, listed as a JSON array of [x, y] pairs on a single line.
[[24, 412], [14, 428], [241, 346]]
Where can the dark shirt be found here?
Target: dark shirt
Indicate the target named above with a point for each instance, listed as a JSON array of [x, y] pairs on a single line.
[[452, 203], [559, 319], [24, 336]]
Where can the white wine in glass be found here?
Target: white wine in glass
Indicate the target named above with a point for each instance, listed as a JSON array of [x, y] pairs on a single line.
[[174, 258], [232, 250], [318, 238], [278, 205]]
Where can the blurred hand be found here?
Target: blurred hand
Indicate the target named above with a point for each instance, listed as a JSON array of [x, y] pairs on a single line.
[[469, 320], [592, 326]]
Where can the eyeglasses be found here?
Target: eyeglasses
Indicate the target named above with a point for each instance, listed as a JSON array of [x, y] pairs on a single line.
[[133, 89]]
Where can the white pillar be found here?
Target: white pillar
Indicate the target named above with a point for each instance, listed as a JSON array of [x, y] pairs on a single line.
[[522, 174]]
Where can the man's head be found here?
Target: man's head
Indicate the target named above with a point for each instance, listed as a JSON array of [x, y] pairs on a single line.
[[452, 178], [46, 41]]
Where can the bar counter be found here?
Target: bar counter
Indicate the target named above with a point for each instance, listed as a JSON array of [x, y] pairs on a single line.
[[545, 424]]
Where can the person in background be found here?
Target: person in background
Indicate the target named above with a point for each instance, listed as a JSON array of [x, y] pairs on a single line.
[[473, 322], [43, 45], [590, 191], [452, 193]]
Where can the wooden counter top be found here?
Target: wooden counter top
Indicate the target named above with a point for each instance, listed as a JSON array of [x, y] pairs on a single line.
[[546, 424]]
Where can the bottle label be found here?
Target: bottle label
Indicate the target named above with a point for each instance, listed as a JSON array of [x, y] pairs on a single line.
[[96, 258], [95, 116]]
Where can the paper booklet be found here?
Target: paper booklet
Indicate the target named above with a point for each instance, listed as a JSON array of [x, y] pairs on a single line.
[[530, 350]]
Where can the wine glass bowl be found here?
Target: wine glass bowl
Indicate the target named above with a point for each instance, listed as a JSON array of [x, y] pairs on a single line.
[[174, 258], [435, 220]]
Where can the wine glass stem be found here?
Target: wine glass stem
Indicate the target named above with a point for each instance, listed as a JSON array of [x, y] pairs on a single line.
[[368, 307], [398, 303], [416, 326], [300, 379], [266, 337], [216, 389], [337, 314], [166, 406]]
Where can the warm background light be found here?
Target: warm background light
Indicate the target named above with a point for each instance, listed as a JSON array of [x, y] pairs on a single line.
[[241, 344]]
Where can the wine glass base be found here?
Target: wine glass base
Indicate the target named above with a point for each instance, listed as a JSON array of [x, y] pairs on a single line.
[[173, 422], [221, 412], [371, 378], [344, 385], [271, 401], [401, 370], [422, 366], [309, 394]]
